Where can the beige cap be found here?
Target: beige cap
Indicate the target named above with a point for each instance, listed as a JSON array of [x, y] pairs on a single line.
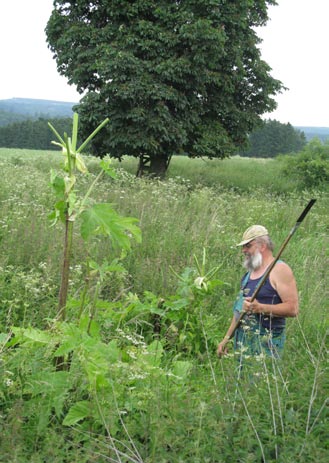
[[251, 233]]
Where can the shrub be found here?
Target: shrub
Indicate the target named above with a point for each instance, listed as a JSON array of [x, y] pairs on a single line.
[[310, 167]]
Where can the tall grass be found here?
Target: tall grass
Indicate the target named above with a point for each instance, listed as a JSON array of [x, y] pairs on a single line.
[[201, 411], [237, 173]]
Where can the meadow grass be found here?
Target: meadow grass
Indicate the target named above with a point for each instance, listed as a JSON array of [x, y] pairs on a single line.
[[278, 412], [236, 173]]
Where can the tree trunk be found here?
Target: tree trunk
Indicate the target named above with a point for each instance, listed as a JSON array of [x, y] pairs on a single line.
[[153, 166]]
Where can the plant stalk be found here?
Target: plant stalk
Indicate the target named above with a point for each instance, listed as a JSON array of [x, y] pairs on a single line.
[[63, 292]]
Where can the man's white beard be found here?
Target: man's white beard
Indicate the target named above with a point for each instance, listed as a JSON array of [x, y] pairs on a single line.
[[253, 262]]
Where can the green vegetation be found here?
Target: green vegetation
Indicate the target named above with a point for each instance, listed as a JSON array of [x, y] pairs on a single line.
[[141, 381], [32, 134], [274, 138], [175, 78], [310, 167], [24, 122], [7, 118]]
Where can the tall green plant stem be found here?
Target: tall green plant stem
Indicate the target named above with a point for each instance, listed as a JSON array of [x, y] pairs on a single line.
[[63, 292], [93, 308], [67, 253], [74, 162], [84, 292], [68, 236]]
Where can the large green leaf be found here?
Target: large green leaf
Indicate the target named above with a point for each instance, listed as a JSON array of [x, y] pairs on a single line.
[[33, 335], [49, 391], [101, 219], [78, 412], [58, 183]]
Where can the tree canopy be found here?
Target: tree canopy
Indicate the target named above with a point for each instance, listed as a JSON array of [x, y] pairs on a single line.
[[174, 77], [274, 138]]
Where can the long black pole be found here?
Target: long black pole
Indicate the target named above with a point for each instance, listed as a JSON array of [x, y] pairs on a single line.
[[269, 269]]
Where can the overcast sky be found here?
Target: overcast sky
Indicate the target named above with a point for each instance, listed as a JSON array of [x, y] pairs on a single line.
[[295, 45]]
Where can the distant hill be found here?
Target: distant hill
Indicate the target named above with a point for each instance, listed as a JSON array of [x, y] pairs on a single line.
[[315, 132], [18, 109]]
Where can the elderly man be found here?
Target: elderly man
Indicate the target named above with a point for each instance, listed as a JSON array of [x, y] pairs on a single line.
[[262, 329]]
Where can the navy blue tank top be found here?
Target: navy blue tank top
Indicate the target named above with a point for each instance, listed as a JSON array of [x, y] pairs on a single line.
[[266, 295]]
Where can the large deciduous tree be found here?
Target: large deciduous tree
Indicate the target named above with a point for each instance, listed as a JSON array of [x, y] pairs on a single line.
[[174, 77]]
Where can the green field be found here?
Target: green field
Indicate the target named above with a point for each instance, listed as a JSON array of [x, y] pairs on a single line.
[[142, 382]]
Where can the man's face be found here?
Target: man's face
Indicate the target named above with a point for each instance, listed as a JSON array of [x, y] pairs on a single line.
[[252, 256]]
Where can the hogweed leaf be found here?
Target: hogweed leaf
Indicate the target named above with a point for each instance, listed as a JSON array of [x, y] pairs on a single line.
[[101, 219], [58, 184], [58, 213]]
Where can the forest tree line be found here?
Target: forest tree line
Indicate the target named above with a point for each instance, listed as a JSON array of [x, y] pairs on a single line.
[[33, 134], [271, 139], [7, 117], [274, 138]]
